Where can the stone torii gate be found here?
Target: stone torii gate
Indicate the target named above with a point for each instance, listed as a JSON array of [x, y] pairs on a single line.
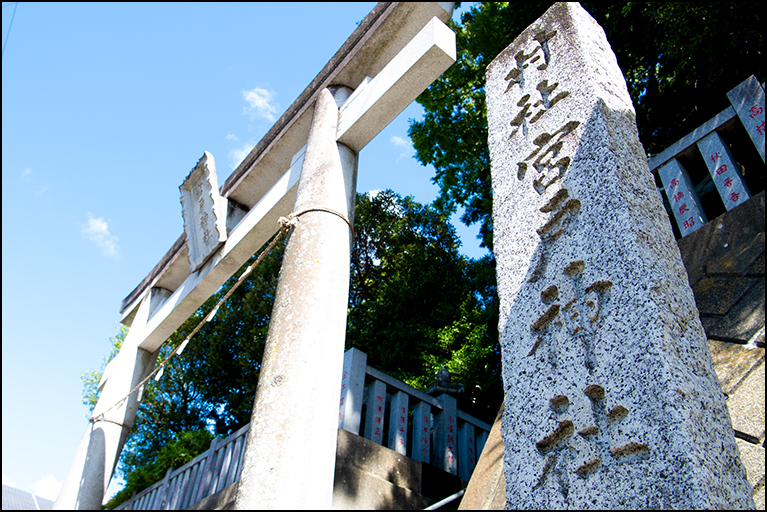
[[289, 460]]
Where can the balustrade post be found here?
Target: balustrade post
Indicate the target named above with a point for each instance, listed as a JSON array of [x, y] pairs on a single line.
[[685, 204], [724, 170], [748, 101], [445, 454], [398, 423], [374, 420], [352, 390], [421, 432], [481, 440], [467, 455], [209, 469], [164, 489]]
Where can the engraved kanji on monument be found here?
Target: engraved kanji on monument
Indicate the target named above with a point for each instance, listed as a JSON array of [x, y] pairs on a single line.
[[611, 400], [204, 212]]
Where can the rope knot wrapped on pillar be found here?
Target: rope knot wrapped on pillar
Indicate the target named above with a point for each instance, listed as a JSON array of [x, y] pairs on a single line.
[[292, 220]]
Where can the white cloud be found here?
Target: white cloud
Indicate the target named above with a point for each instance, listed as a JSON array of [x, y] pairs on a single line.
[[97, 231], [407, 148], [261, 103], [233, 137], [47, 487], [26, 172], [400, 142], [374, 192], [237, 155], [7, 481]]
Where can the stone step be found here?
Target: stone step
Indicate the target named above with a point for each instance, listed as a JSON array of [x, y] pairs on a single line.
[[370, 476]]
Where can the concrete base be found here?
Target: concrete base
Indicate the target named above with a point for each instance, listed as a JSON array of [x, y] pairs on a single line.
[[222, 500]]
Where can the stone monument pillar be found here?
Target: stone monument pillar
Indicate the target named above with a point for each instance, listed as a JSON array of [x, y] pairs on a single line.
[[290, 455], [611, 400]]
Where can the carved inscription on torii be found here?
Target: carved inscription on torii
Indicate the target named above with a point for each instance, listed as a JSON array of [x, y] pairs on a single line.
[[204, 211]]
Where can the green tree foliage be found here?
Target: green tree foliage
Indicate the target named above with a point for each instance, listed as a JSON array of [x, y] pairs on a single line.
[[415, 304], [679, 60], [176, 453]]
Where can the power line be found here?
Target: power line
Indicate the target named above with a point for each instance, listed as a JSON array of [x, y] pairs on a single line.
[[9, 27]]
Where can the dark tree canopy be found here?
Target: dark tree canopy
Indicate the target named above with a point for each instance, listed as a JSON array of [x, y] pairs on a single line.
[[679, 60], [417, 304]]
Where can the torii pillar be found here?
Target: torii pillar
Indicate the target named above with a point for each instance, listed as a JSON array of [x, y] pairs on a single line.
[[291, 447], [94, 462], [290, 455]]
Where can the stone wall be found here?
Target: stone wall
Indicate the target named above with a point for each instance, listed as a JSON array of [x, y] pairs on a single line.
[[725, 266]]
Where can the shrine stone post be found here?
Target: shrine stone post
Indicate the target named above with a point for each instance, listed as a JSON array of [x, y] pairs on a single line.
[[611, 400]]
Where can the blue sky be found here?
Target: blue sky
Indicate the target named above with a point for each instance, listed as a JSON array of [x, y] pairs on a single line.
[[106, 108]]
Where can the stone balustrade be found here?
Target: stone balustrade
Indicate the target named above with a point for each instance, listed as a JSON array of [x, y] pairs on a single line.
[[425, 428], [396, 415], [721, 155]]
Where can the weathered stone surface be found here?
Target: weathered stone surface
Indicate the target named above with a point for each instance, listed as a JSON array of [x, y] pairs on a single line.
[[757, 267], [735, 228], [604, 355], [739, 260], [752, 456], [716, 295], [733, 362], [291, 445], [725, 264], [372, 458], [745, 319], [221, 500], [204, 212], [708, 322], [746, 404], [369, 476]]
